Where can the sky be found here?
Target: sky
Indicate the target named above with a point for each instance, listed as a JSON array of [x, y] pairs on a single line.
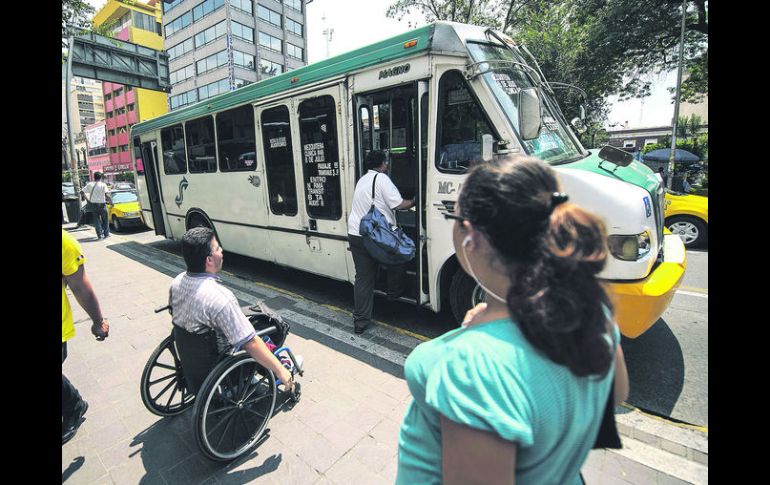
[[359, 23]]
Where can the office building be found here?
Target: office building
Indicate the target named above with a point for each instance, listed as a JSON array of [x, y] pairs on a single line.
[[215, 46]]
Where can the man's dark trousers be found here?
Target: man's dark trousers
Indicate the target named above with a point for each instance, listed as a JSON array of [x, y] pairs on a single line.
[[366, 274], [70, 397]]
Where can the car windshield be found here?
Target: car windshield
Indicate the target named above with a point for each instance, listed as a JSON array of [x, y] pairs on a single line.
[[121, 197], [68, 190], [554, 144]]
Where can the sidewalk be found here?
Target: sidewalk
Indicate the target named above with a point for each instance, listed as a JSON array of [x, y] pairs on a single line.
[[344, 429]]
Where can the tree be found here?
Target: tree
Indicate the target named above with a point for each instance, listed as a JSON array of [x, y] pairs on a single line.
[[688, 126], [76, 18], [75, 14], [603, 46]]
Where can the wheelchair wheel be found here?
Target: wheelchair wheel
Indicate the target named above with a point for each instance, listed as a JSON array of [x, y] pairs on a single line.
[[235, 403], [163, 388]]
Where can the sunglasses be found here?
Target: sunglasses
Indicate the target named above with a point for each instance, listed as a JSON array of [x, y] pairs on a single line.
[[448, 216]]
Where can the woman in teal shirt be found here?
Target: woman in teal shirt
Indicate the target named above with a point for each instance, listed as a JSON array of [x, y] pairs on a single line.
[[518, 394]]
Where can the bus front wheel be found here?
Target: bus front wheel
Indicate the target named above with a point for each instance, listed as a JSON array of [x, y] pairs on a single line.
[[464, 294]]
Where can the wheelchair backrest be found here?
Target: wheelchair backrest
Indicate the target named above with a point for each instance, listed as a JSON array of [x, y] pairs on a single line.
[[262, 317], [198, 355]]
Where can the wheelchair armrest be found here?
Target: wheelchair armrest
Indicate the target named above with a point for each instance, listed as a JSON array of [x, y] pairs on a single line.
[[267, 331]]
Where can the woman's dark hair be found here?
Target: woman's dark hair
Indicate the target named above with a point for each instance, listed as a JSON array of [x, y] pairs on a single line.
[[196, 246], [553, 251]]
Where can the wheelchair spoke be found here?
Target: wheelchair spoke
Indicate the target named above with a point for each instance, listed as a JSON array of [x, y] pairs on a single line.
[[242, 385], [228, 419], [257, 399], [223, 409], [254, 412], [171, 398], [163, 391], [254, 389], [164, 378], [165, 366]]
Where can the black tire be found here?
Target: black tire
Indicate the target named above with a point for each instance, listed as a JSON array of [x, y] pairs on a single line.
[[692, 231], [163, 377], [464, 294], [233, 409], [118, 225]]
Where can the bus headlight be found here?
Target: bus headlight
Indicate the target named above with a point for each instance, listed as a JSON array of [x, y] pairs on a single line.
[[630, 248]]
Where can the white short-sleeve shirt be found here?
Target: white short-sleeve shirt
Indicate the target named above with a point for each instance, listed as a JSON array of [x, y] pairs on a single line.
[[96, 192], [386, 197], [199, 301]]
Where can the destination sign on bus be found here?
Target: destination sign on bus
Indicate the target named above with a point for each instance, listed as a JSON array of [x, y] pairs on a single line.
[[320, 173]]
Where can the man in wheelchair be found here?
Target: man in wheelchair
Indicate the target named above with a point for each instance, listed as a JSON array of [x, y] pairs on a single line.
[[200, 304]]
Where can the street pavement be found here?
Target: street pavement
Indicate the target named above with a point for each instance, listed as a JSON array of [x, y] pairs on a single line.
[[345, 427]]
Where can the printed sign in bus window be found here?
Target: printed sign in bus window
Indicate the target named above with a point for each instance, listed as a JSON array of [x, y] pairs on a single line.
[[320, 157], [276, 139]]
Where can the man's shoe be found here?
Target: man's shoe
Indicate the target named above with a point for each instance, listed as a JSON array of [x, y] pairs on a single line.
[[359, 329], [69, 432]]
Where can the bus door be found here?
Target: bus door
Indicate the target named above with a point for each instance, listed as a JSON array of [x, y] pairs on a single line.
[[306, 202], [151, 169], [389, 121], [275, 142]]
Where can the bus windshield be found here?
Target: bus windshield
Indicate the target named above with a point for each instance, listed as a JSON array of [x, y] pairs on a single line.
[[554, 145]]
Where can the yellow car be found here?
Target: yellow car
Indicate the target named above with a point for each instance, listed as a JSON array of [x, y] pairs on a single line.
[[688, 217], [124, 210]]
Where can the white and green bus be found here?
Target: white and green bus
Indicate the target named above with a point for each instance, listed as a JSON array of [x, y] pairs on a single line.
[[272, 166]]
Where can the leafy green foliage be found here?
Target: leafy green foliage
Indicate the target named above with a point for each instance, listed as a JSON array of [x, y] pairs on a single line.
[[75, 15], [606, 47], [699, 145], [76, 18]]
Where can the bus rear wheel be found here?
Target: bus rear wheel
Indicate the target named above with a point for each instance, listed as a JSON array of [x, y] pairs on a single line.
[[464, 294]]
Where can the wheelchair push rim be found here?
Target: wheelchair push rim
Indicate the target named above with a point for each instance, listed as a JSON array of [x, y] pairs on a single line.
[[236, 401], [163, 387]]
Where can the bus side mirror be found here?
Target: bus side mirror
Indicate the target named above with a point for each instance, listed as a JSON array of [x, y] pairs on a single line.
[[530, 113], [486, 147], [619, 157]]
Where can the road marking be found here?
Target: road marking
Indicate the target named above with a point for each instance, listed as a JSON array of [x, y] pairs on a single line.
[[702, 429], [382, 324]]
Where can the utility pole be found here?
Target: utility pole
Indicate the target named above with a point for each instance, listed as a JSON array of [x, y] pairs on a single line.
[[71, 160], [671, 157], [327, 33]]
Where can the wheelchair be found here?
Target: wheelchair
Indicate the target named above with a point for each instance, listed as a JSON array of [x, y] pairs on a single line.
[[233, 396]]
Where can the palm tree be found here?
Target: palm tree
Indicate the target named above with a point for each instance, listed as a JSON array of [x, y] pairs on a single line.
[[687, 126]]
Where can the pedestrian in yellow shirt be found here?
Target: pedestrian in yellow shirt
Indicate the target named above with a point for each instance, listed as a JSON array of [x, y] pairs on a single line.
[[73, 272]]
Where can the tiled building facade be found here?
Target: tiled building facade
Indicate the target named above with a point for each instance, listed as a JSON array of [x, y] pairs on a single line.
[[215, 46]]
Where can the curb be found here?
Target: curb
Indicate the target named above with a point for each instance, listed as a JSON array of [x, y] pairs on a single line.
[[684, 441]]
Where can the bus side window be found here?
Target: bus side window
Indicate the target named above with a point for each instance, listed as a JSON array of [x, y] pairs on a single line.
[[320, 157], [276, 140], [366, 131], [174, 161], [236, 140], [201, 153], [460, 127], [138, 156]]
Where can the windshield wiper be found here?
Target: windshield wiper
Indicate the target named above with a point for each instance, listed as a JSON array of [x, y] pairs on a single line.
[[474, 70]]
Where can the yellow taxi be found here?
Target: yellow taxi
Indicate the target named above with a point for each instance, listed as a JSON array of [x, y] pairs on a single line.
[[687, 216], [124, 210]]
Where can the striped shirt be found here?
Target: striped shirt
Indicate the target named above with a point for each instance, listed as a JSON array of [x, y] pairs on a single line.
[[200, 301]]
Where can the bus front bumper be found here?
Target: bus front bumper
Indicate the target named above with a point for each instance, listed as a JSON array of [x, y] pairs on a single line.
[[639, 304]]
